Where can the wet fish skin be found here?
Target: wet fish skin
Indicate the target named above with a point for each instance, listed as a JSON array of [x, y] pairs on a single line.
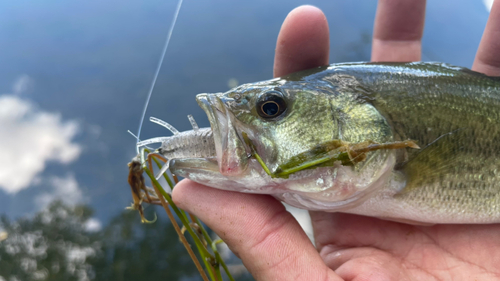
[[454, 114], [451, 112]]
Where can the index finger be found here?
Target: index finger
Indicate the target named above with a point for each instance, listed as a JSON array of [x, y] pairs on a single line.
[[303, 41], [487, 57], [398, 30]]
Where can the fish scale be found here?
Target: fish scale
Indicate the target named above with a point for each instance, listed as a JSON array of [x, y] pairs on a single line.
[[465, 102]]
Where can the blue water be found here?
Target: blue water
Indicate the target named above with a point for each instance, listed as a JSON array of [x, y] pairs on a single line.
[[93, 62]]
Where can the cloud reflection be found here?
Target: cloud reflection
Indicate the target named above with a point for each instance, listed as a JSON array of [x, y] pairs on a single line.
[[29, 138], [64, 189]]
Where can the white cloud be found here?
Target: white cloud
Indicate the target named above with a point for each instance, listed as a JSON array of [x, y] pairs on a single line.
[[488, 4], [29, 137], [93, 225], [64, 189]]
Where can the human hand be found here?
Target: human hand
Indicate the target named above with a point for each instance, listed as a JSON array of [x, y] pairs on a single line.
[[271, 243]]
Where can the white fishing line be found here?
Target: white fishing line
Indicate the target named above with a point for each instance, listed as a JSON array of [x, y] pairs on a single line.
[[167, 41]]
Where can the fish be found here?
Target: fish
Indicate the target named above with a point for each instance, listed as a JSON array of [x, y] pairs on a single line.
[[414, 142]]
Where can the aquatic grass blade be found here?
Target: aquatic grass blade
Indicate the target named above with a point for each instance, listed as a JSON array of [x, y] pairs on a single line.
[[208, 253]]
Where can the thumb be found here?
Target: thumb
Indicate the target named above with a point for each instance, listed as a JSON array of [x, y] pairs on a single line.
[[258, 229]]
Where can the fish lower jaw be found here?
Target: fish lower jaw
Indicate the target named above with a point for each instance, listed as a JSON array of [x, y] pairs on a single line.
[[333, 188], [338, 188], [340, 192]]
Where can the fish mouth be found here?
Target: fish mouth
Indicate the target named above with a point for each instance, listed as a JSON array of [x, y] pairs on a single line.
[[232, 156]]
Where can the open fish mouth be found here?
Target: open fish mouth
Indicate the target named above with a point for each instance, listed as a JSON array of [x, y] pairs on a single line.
[[232, 156]]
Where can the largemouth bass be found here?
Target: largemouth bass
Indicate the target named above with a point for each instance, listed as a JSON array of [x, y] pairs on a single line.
[[314, 122]]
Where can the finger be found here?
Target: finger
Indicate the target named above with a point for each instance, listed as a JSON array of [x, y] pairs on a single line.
[[361, 248], [303, 41], [347, 230], [398, 30], [258, 229], [345, 240], [366, 263], [488, 54], [338, 231]]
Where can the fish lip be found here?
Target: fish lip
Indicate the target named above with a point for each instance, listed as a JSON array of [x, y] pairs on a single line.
[[216, 113], [209, 102], [232, 153]]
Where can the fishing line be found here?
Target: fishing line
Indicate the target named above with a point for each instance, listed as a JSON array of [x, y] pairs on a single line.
[[171, 29]]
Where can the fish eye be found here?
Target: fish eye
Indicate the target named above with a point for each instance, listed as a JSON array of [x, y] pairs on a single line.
[[271, 104]]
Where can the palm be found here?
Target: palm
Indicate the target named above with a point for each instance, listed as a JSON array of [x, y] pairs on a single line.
[[361, 247]]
